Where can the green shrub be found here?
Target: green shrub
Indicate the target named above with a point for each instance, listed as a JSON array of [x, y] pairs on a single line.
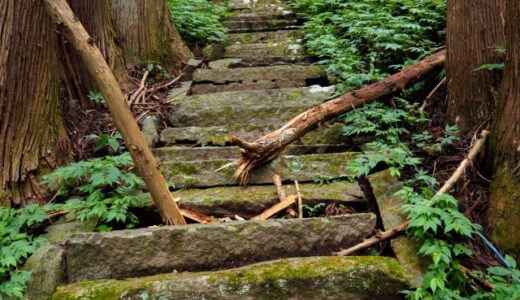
[[16, 245], [361, 41], [199, 20]]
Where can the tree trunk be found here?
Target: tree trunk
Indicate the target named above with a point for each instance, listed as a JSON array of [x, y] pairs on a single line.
[[33, 138], [268, 147], [504, 207], [97, 18], [147, 33], [474, 29], [142, 156]]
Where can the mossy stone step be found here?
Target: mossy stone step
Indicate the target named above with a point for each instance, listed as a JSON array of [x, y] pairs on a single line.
[[406, 250], [253, 25], [369, 277], [257, 78], [269, 52], [292, 36], [254, 107], [254, 199], [258, 5], [187, 153], [221, 135], [304, 168], [197, 247]]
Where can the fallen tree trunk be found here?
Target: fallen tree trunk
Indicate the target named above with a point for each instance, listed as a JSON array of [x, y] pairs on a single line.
[[271, 145], [73, 30]]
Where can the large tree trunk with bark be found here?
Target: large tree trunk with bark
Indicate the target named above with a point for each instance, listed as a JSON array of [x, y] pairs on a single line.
[[96, 65], [272, 145], [33, 138], [504, 209], [97, 18], [474, 30], [147, 33]]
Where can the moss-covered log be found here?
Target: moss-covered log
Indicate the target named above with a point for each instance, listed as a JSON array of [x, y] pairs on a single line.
[[33, 138]]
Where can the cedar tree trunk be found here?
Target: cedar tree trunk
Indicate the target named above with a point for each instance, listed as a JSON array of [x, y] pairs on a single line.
[[33, 138], [147, 33], [474, 29], [97, 18], [504, 210]]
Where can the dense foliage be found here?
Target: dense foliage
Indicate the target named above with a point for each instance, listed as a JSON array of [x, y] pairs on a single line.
[[16, 245], [361, 41], [199, 20], [434, 219]]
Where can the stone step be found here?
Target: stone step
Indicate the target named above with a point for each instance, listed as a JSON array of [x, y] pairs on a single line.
[[148, 251], [254, 199], [257, 107], [268, 53], [187, 153], [293, 36], [260, 24], [221, 135], [207, 81], [259, 5], [304, 168], [384, 187], [370, 277]]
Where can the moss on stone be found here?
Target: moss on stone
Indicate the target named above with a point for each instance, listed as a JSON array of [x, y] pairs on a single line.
[[314, 278]]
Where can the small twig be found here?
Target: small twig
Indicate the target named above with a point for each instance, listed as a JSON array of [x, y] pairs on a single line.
[[56, 214], [138, 92], [299, 195], [431, 94], [448, 185]]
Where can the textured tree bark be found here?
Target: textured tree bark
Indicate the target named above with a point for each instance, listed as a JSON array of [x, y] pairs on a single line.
[[97, 18], [474, 29], [33, 138], [271, 145], [147, 32], [141, 154], [504, 206]]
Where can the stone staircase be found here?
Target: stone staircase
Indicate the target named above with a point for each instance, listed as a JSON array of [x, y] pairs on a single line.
[[262, 80]]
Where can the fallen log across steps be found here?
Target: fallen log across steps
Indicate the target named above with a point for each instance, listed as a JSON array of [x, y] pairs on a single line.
[[270, 146]]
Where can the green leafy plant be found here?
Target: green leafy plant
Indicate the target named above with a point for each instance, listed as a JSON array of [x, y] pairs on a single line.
[[96, 97], [101, 188], [155, 69], [199, 20], [362, 41], [313, 211], [16, 245], [112, 143], [434, 219]]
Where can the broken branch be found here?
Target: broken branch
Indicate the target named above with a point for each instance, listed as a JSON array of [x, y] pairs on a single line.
[[272, 145], [278, 207]]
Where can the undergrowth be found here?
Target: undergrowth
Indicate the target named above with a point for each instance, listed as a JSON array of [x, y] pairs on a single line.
[[101, 189], [434, 219], [199, 20], [362, 41]]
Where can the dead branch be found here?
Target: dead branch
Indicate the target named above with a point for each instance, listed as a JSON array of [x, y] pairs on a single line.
[[279, 188], [196, 216], [272, 145], [448, 185], [431, 94], [142, 88], [278, 207]]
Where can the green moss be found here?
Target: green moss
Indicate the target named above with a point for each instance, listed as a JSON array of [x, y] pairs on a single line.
[[283, 279]]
